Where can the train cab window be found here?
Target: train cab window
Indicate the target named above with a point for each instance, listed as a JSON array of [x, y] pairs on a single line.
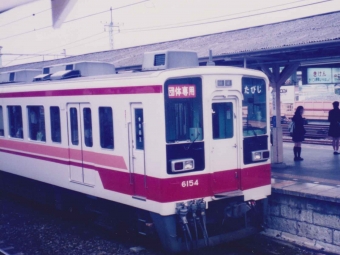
[[74, 126], [222, 120], [55, 124], [183, 110], [36, 123], [87, 127], [254, 110], [2, 133], [15, 121], [106, 127]]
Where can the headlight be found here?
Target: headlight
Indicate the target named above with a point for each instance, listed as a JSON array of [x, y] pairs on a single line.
[[180, 165], [257, 156], [260, 155], [189, 165]]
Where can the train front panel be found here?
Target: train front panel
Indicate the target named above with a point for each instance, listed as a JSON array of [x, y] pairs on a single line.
[[217, 155]]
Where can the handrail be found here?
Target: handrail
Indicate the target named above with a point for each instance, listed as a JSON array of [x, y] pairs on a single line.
[[145, 184], [130, 159]]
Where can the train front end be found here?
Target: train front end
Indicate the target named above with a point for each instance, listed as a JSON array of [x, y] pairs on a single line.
[[217, 156]]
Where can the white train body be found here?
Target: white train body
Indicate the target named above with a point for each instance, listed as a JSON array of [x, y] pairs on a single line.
[[166, 148]]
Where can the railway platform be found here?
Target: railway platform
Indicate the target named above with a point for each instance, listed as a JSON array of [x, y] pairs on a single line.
[[319, 166], [304, 206]]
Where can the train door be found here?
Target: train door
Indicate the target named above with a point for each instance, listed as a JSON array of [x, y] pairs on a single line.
[[80, 138], [137, 155], [224, 152]]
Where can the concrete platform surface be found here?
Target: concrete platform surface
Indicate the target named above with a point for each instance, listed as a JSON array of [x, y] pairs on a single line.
[[319, 166], [323, 192]]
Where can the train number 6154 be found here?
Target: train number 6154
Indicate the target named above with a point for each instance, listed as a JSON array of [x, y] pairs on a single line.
[[189, 183]]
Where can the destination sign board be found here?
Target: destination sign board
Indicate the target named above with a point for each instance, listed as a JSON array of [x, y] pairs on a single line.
[[182, 91]]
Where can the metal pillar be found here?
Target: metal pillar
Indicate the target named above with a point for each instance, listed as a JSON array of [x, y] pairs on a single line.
[[277, 151]]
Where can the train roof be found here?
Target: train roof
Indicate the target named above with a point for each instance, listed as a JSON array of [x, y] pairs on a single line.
[[157, 76]]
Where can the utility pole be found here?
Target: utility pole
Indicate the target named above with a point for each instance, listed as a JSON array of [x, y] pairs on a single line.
[[111, 26]]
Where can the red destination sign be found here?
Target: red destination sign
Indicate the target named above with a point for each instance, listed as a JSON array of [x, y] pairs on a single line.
[[182, 91]]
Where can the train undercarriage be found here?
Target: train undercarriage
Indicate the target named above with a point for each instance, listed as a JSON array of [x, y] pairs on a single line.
[[192, 227]]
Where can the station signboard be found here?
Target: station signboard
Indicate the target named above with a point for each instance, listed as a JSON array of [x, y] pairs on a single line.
[[336, 75], [319, 75], [323, 75]]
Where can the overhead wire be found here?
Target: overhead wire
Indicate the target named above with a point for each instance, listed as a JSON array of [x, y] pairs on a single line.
[[172, 26], [222, 16], [29, 16], [88, 42], [27, 32], [48, 50], [83, 17], [113, 9], [222, 20], [101, 38], [233, 14], [32, 57]]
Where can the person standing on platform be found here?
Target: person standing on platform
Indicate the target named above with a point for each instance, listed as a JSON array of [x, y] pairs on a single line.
[[299, 132], [334, 127]]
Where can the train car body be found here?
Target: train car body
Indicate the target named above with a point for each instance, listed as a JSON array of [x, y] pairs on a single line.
[[313, 110], [181, 144]]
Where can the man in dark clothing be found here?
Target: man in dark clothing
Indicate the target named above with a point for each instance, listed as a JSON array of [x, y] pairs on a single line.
[[334, 127]]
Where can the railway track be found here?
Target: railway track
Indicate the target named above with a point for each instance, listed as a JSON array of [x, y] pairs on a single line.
[[316, 134]]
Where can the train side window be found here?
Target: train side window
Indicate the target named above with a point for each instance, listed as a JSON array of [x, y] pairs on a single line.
[[36, 123], [87, 127], [222, 120], [15, 121], [55, 124], [74, 126], [2, 132], [106, 127]]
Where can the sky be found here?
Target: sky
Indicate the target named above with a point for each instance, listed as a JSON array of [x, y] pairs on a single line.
[[28, 29]]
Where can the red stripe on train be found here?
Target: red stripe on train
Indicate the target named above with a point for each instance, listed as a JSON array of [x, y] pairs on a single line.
[[66, 153], [171, 189], [184, 187], [146, 89], [255, 176]]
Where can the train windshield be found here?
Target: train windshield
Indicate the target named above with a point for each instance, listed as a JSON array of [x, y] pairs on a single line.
[[254, 111], [183, 110]]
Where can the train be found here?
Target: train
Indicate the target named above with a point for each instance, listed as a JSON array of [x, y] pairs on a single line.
[[313, 110], [180, 149]]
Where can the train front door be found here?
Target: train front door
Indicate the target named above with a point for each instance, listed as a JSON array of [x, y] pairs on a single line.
[[80, 138], [224, 151], [137, 154]]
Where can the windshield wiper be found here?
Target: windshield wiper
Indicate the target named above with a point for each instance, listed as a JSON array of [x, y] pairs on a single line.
[[198, 135]]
